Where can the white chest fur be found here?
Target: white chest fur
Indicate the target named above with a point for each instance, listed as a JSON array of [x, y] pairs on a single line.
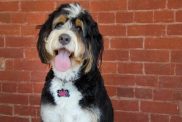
[[67, 109]]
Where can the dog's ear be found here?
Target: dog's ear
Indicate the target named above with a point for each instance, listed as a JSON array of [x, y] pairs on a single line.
[[44, 32], [95, 42]]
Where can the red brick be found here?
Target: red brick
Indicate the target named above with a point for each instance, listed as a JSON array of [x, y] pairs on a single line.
[[159, 118], [106, 18], [95, 16], [146, 30], [10, 29], [163, 16], [178, 69], [112, 91], [160, 69], [159, 107], [163, 94], [31, 53], [176, 56], [14, 99], [13, 119], [34, 100], [131, 117], [9, 65], [97, 6], [2, 64], [18, 18], [35, 119], [9, 6], [106, 43], [6, 109], [174, 4], [130, 68], [115, 55], [174, 29], [11, 53], [146, 81], [121, 80], [126, 105], [176, 119], [108, 67], [178, 96], [38, 76], [143, 93], [146, 5], [179, 16], [1, 41], [5, 17], [125, 43], [124, 17], [125, 92], [20, 41], [29, 65], [35, 18], [149, 55], [29, 30], [14, 76], [143, 17], [9, 87], [163, 43], [25, 88], [37, 6], [113, 30], [37, 87], [25, 110], [170, 82]]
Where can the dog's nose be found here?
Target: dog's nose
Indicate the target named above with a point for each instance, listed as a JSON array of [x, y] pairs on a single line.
[[64, 39]]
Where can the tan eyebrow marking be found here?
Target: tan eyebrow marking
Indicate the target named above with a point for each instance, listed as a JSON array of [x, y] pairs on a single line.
[[60, 19], [79, 23]]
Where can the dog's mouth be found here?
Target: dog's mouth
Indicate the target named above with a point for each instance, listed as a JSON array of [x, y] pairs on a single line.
[[62, 60]]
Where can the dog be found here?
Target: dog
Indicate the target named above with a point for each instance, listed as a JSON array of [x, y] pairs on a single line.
[[70, 42]]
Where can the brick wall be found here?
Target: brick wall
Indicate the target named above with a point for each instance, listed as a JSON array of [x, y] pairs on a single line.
[[142, 62]]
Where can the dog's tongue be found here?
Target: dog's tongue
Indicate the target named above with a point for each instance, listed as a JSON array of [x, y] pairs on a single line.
[[62, 61]]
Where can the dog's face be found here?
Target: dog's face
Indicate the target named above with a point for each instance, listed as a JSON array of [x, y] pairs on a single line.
[[70, 40]]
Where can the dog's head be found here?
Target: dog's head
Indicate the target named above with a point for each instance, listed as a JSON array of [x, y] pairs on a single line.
[[70, 40]]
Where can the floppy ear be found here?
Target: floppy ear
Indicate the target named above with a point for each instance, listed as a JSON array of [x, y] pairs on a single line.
[[97, 44], [45, 30], [94, 42], [43, 34]]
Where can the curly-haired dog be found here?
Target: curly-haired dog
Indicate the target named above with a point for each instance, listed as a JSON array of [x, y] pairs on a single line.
[[74, 90]]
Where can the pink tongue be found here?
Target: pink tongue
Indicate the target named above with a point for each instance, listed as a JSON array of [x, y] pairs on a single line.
[[62, 61]]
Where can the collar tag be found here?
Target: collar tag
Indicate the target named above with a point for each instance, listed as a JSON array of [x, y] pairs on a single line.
[[63, 93]]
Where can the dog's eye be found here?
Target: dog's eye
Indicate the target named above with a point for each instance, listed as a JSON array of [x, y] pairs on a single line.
[[78, 28], [58, 25], [58, 22]]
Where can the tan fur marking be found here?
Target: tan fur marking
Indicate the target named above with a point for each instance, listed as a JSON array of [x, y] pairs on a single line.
[[60, 19], [90, 60], [79, 23]]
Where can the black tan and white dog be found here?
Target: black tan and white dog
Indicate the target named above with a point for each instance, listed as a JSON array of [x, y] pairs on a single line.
[[74, 90]]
